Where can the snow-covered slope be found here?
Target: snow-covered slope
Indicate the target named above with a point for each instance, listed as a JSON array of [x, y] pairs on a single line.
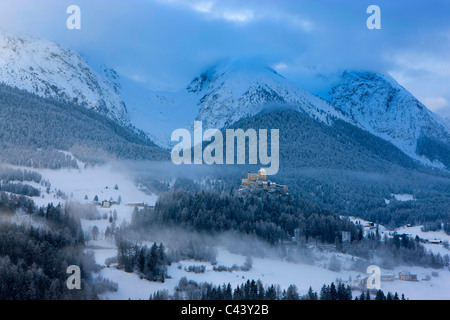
[[225, 93], [44, 68], [383, 107], [237, 89], [447, 118]]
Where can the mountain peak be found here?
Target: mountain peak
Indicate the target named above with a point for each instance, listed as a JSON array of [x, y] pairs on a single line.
[[382, 106], [46, 69], [231, 68], [238, 88], [226, 92]]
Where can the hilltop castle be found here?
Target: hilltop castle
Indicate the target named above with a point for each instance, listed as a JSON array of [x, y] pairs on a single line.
[[259, 181]]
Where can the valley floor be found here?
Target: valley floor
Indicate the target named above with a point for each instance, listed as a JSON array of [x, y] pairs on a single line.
[[101, 182]]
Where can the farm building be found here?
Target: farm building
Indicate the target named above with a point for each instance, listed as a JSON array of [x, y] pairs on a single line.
[[139, 205], [106, 204], [406, 276]]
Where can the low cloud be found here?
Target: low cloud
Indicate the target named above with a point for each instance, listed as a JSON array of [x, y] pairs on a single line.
[[168, 42]]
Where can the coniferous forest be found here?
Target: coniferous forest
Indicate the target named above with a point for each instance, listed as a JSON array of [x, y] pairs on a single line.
[[256, 290], [34, 260]]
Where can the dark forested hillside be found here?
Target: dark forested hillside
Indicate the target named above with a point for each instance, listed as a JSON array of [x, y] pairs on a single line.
[[33, 129], [269, 217], [34, 260], [308, 143], [273, 218], [346, 170]]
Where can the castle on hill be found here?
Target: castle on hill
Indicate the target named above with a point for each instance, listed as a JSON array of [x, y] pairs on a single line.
[[259, 181]]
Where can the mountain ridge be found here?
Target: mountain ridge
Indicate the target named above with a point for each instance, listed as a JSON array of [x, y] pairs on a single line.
[[36, 132], [235, 89], [380, 105], [228, 91], [50, 71]]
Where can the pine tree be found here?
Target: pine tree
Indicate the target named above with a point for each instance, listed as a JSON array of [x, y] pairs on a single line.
[[362, 296], [380, 295], [292, 293], [325, 293], [333, 292], [311, 294], [271, 293]]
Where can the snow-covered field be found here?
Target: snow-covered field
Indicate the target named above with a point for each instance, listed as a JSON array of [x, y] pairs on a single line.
[[438, 288], [411, 231], [271, 271], [100, 181], [429, 235]]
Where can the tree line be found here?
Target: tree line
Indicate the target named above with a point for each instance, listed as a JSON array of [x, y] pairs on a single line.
[[256, 290], [150, 263], [272, 218], [34, 129], [34, 260]]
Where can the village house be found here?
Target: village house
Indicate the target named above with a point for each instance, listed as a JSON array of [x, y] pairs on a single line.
[[139, 205], [106, 204], [406, 276]]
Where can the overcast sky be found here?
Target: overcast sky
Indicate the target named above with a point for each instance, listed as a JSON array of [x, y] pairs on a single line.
[[163, 43]]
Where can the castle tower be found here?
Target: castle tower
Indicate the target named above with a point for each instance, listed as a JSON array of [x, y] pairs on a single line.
[[262, 174]]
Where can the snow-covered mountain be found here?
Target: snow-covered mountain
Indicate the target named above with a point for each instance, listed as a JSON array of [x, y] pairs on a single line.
[[383, 107], [222, 95], [237, 89], [229, 91], [48, 70]]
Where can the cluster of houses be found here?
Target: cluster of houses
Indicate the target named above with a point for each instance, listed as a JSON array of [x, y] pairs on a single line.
[[403, 276], [371, 226], [110, 203], [422, 240], [431, 241]]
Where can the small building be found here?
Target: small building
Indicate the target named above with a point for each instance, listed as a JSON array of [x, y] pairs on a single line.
[[139, 205], [435, 241], [406, 276], [106, 204]]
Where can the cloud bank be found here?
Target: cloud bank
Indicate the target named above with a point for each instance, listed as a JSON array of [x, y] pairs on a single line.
[[163, 44]]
